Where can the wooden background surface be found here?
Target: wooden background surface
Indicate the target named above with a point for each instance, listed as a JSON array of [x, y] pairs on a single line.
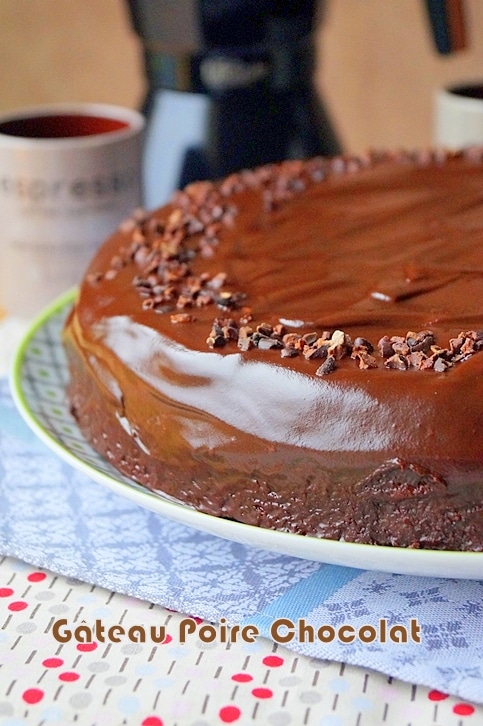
[[377, 66]]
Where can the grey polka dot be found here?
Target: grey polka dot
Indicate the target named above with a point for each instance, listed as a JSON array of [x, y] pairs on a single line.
[[318, 663], [45, 595], [115, 680], [290, 681], [310, 697], [132, 649], [59, 609], [27, 627], [280, 718], [206, 646], [6, 709], [99, 666], [80, 700]]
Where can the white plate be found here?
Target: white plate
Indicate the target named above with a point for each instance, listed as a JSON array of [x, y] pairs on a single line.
[[39, 378]]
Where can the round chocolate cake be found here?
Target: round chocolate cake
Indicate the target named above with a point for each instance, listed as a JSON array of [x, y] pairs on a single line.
[[298, 347]]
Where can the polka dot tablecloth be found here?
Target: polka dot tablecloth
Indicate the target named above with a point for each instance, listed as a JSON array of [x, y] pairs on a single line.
[[45, 682]]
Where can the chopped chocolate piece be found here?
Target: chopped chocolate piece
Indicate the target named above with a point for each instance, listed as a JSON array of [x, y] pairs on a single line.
[[230, 329], [265, 343], [315, 351], [265, 329], [216, 340], [310, 338], [289, 353], [328, 366], [229, 300], [181, 318], [397, 361], [363, 343], [400, 346], [340, 345], [279, 330], [416, 358], [244, 338], [364, 358], [385, 347], [291, 340], [421, 341], [440, 365]]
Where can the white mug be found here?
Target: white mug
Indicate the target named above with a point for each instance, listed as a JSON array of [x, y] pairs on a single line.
[[458, 119], [69, 174]]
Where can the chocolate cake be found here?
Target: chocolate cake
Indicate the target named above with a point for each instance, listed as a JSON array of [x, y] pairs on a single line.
[[298, 347]]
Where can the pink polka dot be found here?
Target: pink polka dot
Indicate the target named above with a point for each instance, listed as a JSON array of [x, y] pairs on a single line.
[[36, 576], [32, 695], [18, 605], [463, 709], [262, 693], [6, 591], [86, 647], [52, 662], [68, 676], [228, 714], [273, 661], [437, 695], [167, 640], [152, 721], [242, 677]]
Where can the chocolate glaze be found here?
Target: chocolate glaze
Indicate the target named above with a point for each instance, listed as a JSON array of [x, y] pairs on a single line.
[[372, 247]]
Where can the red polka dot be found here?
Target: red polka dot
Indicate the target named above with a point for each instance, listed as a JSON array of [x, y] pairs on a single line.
[[69, 676], [6, 591], [242, 677], [152, 721], [437, 696], [86, 647], [273, 661], [262, 693], [52, 662], [228, 714], [463, 709], [36, 576], [18, 605], [167, 640], [32, 695]]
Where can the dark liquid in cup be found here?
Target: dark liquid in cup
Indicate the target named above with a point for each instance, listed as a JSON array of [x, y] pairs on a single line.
[[62, 126], [468, 91]]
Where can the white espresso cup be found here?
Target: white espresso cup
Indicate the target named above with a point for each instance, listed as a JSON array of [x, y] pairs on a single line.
[[69, 174], [458, 118]]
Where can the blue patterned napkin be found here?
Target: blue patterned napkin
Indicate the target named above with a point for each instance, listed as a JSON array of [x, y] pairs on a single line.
[[52, 516]]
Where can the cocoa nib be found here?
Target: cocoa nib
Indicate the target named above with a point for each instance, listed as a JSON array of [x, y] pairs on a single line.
[[364, 359], [162, 247], [181, 318], [397, 361], [420, 342], [363, 344], [328, 366]]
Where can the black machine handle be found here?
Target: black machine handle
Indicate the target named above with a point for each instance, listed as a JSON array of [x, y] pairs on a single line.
[[448, 25]]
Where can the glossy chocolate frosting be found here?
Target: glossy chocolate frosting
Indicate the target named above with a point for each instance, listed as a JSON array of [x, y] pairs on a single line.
[[298, 347]]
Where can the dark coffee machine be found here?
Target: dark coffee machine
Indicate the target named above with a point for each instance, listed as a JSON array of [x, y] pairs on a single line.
[[229, 86]]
